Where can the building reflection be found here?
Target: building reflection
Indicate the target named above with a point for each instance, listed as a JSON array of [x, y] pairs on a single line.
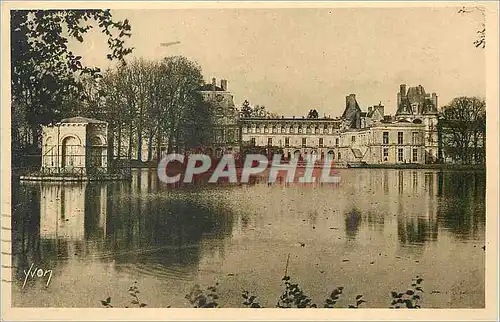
[[421, 201], [129, 223], [143, 223], [64, 211]]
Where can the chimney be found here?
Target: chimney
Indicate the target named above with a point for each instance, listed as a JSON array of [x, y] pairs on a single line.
[[402, 91], [369, 109], [223, 84], [214, 83], [350, 100], [380, 108], [435, 100]]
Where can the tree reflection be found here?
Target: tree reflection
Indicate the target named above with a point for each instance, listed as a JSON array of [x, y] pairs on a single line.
[[352, 222], [415, 231], [462, 203], [128, 222]]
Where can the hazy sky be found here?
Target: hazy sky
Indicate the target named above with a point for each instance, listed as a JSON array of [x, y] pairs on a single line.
[[292, 60]]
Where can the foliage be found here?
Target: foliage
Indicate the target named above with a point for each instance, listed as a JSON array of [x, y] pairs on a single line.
[[199, 299], [246, 109], [133, 291], [107, 303], [293, 296], [333, 298], [359, 301], [44, 71], [313, 114], [250, 300], [481, 33], [463, 129], [157, 102], [410, 298], [258, 111]]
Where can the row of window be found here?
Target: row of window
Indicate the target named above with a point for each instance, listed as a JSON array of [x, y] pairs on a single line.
[[385, 138], [291, 130], [231, 135], [415, 138], [287, 142], [400, 155]]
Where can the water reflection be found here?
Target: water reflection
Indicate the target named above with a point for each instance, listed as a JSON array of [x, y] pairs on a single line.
[[146, 228], [422, 201], [125, 223], [462, 203], [352, 222]]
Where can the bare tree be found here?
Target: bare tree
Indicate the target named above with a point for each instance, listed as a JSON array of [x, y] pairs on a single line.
[[481, 39], [156, 102], [463, 124]]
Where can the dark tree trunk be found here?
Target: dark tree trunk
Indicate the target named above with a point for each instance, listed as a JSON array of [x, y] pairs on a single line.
[[35, 133], [150, 146], [119, 147], [111, 145], [158, 147], [139, 137], [130, 140]]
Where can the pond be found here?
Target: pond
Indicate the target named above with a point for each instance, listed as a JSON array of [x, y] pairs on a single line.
[[371, 233]]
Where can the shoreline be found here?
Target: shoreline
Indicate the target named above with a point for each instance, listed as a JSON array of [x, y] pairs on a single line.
[[455, 167], [479, 167], [476, 167]]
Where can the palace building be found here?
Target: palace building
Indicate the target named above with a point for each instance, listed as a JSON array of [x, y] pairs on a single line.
[[226, 126], [355, 137]]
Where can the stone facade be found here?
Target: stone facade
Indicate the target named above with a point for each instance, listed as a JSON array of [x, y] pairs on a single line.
[[415, 105], [295, 136], [226, 134], [76, 143], [357, 136]]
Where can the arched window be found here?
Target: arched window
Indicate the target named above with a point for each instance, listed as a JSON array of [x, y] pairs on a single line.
[[330, 155], [70, 147], [95, 152]]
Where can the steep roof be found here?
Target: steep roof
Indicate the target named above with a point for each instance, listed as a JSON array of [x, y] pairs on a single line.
[[416, 100], [352, 112], [404, 107]]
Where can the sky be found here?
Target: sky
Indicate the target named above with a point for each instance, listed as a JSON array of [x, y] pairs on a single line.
[[293, 60]]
